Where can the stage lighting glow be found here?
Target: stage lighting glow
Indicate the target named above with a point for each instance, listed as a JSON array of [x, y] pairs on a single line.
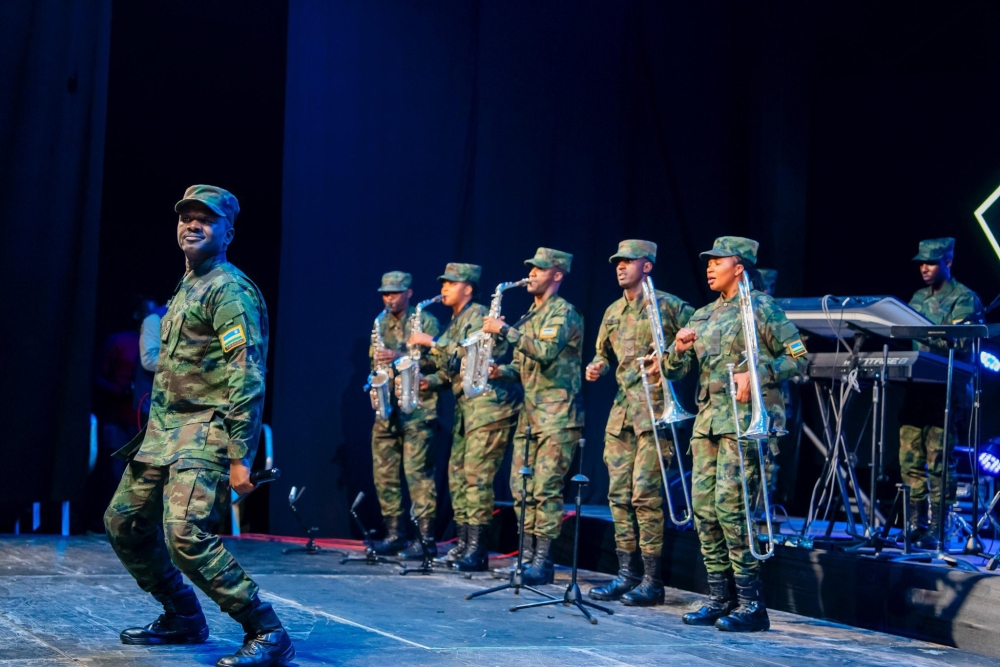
[[989, 361], [989, 458], [981, 212]]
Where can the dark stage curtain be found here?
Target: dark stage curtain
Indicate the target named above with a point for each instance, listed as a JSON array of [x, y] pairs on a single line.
[[53, 74], [423, 133]]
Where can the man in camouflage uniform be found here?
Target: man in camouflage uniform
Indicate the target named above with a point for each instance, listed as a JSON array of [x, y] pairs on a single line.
[[201, 438], [483, 425], [636, 484], [404, 438], [548, 357], [714, 338], [944, 300]]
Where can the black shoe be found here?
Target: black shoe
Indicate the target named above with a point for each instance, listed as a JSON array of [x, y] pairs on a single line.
[[620, 585], [721, 600], [917, 520], [425, 541], [650, 589], [476, 557], [751, 615], [461, 544], [527, 555], [265, 643], [394, 540], [541, 571], [182, 622]]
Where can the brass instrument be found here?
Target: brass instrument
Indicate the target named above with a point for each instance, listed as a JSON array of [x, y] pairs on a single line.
[[408, 366], [672, 410], [479, 349], [759, 429], [378, 380]]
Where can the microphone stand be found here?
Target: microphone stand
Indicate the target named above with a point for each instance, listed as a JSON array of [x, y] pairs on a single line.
[[370, 557], [310, 547], [573, 595], [516, 581]]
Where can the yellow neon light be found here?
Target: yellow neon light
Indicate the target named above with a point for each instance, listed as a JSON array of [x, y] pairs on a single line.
[[982, 221]]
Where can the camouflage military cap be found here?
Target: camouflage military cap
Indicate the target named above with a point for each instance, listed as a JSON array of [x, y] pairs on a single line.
[[396, 281], [461, 273], [733, 246], [221, 202], [770, 278], [634, 249], [935, 250], [546, 258]]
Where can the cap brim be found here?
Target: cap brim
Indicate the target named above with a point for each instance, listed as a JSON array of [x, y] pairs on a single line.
[[450, 279], [395, 290], [923, 258], [215, 209], [541, 264], [717, 253], [618, 257]]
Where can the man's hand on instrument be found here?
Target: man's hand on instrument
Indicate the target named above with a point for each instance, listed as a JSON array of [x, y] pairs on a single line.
[[652, 368], [684, 340], [424, 339], [494, 370], [742, 387], [386, 356], [492, 325], [594, 371], [239, 476], [425, 384]]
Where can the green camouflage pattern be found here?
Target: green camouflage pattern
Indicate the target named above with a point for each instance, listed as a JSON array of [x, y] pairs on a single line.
[[206, 403], [720, 341], [635, 489], [951, 304], [921, 461], [546, 258], [395, 331], [162, 521], [717, 502], [395, 281], [549, 457], [733, 246], [634, 249], [456, 272], [408, 445], [935, 250], [475, 458], [625, 335], [219, 201]]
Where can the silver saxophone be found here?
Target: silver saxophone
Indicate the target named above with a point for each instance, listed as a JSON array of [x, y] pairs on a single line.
[[378, 380], [479, 349], [672, 410], [759, 429], [408, 366]]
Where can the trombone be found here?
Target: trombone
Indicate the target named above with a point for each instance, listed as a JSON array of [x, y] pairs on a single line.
[[759, 429], [672, 410]]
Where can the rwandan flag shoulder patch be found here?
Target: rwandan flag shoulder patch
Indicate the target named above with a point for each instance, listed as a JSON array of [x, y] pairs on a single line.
[[548, 332], [233, 338], [796, 349]]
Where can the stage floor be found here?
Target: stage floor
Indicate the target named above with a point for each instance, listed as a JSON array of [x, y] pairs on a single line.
[[64, 600]]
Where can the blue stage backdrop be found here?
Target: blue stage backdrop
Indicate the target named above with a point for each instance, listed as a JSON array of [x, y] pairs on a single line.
[[423, 133]]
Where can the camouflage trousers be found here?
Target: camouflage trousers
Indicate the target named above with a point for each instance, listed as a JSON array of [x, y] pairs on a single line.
[[161, 522], [549, 457], [635, 489], [921, 462], [407, 445], [717, 497], [475, 459]]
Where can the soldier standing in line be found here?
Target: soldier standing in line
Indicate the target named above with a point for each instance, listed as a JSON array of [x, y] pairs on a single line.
[[713, 337], [404, 439], [548, 357], [201, 438], [483, 425], [944, 300], [636, 485]]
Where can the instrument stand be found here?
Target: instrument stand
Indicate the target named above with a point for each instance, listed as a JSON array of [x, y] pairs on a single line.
[[974, 545], [370, 557], [516, 577], [310, 547], [573, 596], [429, 557]]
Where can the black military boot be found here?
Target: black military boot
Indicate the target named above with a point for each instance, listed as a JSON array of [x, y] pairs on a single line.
[[424, 541], [265, 643], [750, 615], [721, 600], [476, 557], [527, 555], [541, 571], [626, 580], [461, 544], [650, 589], [917, 522], [182, 622], [394, 540], [929, 540]]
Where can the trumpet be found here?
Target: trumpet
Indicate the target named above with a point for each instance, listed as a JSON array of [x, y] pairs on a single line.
[[672, 410], [408, 366], [378, 380], [479, 349], [759, 429]]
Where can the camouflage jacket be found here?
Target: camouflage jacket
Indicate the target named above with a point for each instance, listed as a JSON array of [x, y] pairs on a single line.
[[548, 355], [953, 303], [501, 403], [625, 333], [720, 341], [208, 392], [394, 334]]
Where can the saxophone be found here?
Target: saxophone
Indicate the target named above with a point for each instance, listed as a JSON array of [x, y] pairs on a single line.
[[479, 349], [408, 366], [378, 381]]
